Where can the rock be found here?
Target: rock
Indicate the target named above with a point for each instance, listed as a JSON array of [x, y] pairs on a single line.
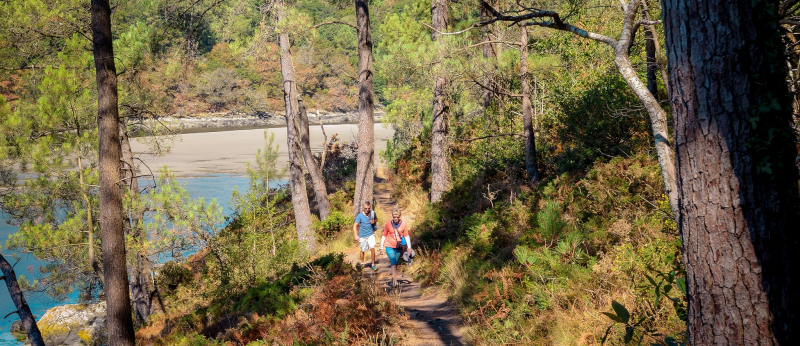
[[16, 327], [74, 324]]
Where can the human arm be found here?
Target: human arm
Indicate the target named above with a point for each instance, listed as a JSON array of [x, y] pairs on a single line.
[[355, 231], [383, 237], [407, 236]]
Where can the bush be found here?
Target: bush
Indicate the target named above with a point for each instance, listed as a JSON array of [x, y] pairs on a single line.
[[172, 275], [336, 222]]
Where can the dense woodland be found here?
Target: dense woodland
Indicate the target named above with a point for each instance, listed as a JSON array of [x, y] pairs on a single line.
[[577, 172]]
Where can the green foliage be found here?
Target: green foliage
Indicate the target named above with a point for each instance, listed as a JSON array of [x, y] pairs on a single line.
[[600, 118], [258, 244], [336, 222], [661, 286], [53, 141], [174, 222], [171, 275], [551, 225]]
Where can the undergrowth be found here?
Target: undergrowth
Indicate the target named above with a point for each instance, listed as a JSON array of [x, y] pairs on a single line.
[[541, 266], [324, 302]]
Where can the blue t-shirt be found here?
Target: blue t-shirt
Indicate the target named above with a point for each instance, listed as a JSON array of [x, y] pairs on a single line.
[[365, 228]]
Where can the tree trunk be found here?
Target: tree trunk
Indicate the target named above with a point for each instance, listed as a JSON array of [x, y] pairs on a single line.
[[314, 170], [142, 289], [737, 181], [366, 102], [440, 167], [656, 48], [527, 111], [488, 53], [89, 218], [658, 122], [302, 212], [650, 57], [118, 302], [23, 310], [118, 311]]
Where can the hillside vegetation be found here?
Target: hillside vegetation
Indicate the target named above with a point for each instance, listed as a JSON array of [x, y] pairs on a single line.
[[536, 174]]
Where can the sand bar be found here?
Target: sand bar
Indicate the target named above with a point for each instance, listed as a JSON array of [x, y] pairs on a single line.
[[227, 152]]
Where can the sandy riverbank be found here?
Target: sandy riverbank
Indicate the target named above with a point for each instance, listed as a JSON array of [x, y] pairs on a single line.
[[228, 152]]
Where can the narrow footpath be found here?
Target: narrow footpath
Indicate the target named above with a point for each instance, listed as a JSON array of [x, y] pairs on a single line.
[[431, 321]]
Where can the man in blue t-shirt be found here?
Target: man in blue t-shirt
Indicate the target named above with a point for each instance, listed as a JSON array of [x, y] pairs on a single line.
[[364, 232]]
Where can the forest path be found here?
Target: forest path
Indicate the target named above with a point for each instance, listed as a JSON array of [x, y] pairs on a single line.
[[431, 321]]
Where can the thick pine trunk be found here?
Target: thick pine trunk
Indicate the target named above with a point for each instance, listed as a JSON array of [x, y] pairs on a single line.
[[737, 182], [527, 111], [302, 212], [143, 291], [366, 103], [23, 310], [118, 302], [314, 169], [440, 166]]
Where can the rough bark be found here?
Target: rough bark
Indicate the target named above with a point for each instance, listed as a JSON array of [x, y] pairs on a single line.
[[23, 310], [118, 308], [314, 169], [527, 111], [302, 212], [440, 167], [737, 182], [366, 102], [143, 290]]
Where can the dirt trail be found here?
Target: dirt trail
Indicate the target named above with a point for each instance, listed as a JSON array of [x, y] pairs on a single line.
[[431, 320]]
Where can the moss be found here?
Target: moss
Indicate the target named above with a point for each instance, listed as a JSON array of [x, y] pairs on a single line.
[[85, 336], [54, 323]]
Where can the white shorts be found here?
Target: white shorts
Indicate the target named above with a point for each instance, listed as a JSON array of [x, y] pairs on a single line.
[[366, 243]]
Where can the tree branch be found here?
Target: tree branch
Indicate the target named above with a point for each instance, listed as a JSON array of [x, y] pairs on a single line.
[[577, 31], [494, 90], [786, 8], [489, 42], [636, 29], [555, 22], [491, 136], [333, 22], [789, 22], [450, 33]]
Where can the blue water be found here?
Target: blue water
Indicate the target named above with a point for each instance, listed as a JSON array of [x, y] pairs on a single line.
[[209, 187]]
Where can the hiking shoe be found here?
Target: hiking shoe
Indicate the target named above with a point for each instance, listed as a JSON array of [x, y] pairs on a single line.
[[374, 267]]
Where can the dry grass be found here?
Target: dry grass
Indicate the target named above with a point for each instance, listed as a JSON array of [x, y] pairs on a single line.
[[343, 241]]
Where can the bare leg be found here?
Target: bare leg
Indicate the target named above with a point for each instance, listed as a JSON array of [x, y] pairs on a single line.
[[362, 256], [372, 250]]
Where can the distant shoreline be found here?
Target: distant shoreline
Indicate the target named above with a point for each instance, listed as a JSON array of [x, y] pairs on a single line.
[[227, 150], [236, 121]]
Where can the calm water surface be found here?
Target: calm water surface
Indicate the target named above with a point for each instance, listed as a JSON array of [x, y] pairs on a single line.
[[209, 187]]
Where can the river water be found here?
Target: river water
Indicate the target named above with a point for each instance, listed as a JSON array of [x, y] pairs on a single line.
[[210, 165]]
